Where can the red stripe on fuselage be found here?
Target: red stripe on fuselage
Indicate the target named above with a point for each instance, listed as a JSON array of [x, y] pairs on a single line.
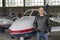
[[21, 31]]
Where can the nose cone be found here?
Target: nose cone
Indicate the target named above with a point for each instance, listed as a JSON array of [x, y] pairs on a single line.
[[23, 25]]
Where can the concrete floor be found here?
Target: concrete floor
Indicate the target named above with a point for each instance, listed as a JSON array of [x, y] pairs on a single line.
[[52, 36]]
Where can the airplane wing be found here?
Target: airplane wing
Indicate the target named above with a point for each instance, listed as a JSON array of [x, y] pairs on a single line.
[[55, 29], [55, 19]]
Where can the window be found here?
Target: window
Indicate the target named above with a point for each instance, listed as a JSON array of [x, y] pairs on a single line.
[[54, 2], [0, 3], [28, 13], [34, 3], [35, 13], [20, 3], [14, 3]]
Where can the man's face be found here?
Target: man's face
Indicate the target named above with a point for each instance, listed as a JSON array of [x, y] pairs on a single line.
[[41, 10]]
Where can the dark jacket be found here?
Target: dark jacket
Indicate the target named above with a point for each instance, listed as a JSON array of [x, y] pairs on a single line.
[[42, 23]]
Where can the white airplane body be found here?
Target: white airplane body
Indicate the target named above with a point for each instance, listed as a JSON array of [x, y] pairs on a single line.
[[5, 22], [25, 24]]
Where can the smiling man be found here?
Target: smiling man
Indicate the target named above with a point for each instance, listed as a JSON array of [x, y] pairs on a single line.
[[41, 23]]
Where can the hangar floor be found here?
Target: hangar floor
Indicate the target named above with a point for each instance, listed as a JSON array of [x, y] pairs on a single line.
[[52, 36]]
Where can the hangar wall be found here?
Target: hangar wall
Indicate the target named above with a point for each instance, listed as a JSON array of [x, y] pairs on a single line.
[[54, 9], [21, 9], [6, 10]]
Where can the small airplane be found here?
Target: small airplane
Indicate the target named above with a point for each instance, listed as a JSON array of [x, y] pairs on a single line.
[[5, 21], [24, 25]]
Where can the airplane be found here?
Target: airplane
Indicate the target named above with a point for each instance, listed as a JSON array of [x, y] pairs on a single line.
[[24, 25], [5, 22], [8, 20]]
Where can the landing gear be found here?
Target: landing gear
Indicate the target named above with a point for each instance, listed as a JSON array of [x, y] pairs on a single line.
[[20, 38], [12, 37], [2, 29]]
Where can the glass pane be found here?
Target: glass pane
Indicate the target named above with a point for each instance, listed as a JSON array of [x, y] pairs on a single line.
[[42, 4], [28, 13], [54, 2], [35, 13], [34, 2], [14, 3], [59, 3], [0, 3]]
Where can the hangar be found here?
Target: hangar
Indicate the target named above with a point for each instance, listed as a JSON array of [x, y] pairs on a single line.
[[14, 12]]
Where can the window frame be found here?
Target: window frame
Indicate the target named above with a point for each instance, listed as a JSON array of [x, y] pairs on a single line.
[[1, 3], [50, 3], [7, 5], [34, 5]]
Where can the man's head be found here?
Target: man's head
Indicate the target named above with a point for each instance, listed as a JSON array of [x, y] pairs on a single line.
[[41, 10]]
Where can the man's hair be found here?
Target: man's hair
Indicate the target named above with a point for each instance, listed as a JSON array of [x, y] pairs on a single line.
[[41, 7]]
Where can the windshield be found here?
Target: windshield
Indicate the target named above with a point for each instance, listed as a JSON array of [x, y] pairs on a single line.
[[28, 13], [35, 13], [31, 12]]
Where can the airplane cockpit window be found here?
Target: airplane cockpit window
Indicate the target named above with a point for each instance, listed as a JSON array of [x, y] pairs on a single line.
[[28, 13], [35, 13]]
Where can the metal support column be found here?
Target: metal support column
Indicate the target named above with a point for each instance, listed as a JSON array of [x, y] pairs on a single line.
[[46, 5], [24, 5], [4, 8], [46, 8]]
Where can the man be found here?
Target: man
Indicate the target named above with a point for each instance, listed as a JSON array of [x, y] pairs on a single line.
[[41, 23]]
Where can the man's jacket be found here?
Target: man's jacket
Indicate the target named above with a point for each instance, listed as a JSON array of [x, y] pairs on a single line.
[[42, 23]]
